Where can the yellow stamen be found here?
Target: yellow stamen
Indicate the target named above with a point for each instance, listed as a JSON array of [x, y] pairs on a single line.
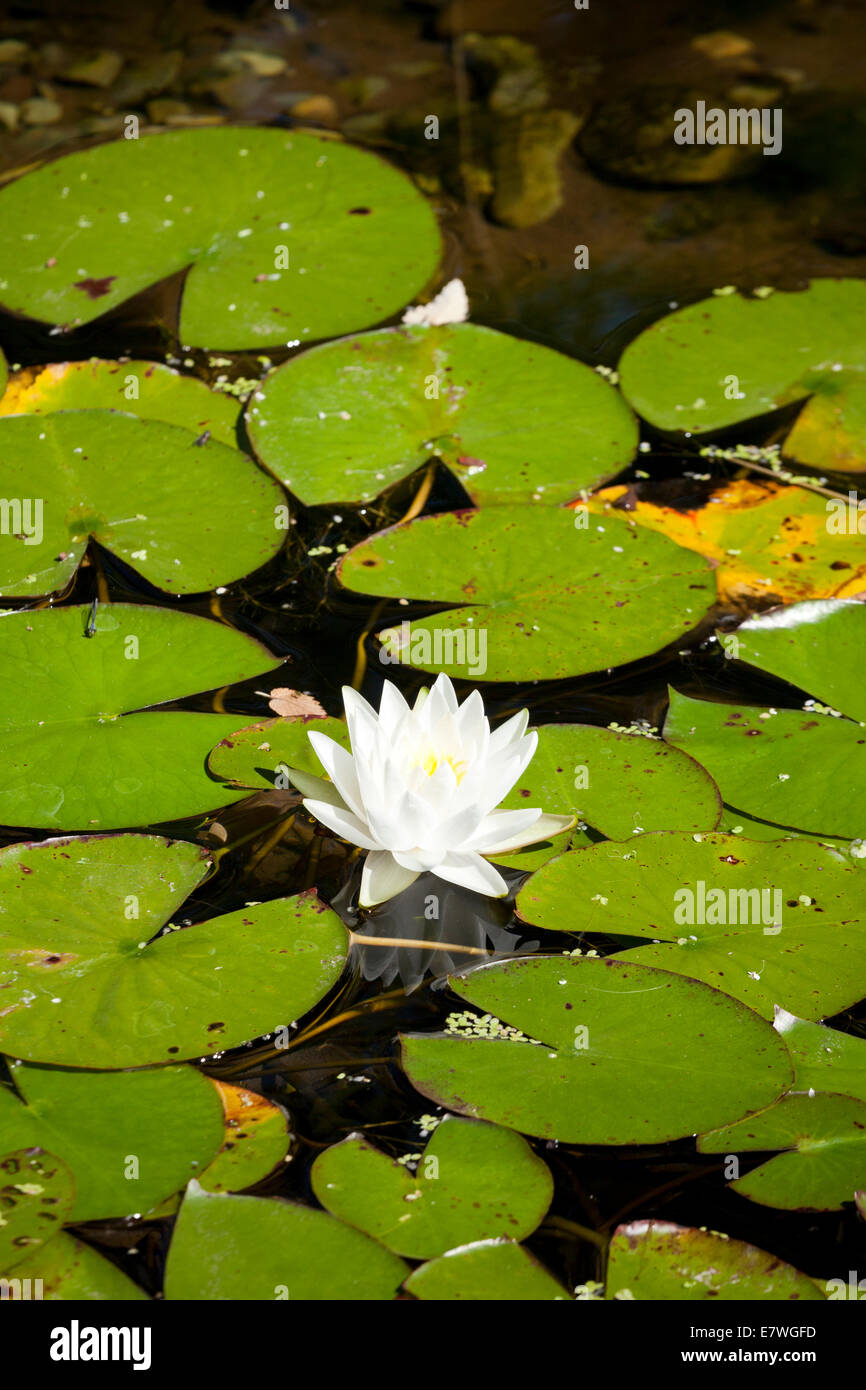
[[432, 760]]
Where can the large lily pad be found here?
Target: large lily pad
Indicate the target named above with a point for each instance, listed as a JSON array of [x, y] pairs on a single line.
[[487, 1271], [149, 389], [769, 922], [74, 757], [825, 1163], [85, 983], [37, 1193], [73, 1272], [259, 755], [473, 1182], [797, 769], [731, 358], [289, 236], [130, 1138], [188, 514], [620, 784], [515, 422], [613, 1052], [249, 1248], [574, 601], [659, 1261], [816, 646], [824, 1059]]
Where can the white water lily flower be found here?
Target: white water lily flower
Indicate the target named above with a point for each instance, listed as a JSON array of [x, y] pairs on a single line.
[[420, 787]]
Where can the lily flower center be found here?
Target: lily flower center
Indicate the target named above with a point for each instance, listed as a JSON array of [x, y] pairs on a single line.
[[430, 760]]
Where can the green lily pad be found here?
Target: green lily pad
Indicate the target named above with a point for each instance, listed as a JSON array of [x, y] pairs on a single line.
[[731, 358], [250, 1248], [661, 1262], [515, 422], [769, 922], [256, 1139], [620, 784], [37, 1193], [474, 1182], [148, 389], [488, 1271], [738, 823], [288, 235], [824, 1059], [610, 1053], [578, 600], [67, 1270], [186, 515], [260, 755], [830, 430], [825, 1162], [87, 985], [130, 1138], [74, 756], [817, 646], [797, 769]]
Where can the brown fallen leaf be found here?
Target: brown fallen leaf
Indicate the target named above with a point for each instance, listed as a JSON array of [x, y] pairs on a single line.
[[292, 704]]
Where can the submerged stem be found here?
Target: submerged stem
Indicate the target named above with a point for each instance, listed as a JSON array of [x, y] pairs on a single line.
[[358, 939]]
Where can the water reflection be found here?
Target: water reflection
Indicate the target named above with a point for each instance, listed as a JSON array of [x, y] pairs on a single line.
[[431, 930]]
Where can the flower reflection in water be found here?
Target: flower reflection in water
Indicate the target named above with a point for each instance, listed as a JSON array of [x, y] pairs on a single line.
[[453, 928]]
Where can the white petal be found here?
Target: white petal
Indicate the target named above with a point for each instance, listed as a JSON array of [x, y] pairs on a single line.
[[343, 823], [471, 871], [510, 732], [419, 861], [472, 726], [392, 707], [501, 826], [443, 685], [439, 702], [383, 878], [356, 703], [544, 829], [489, 782], [402, 825], [340, 767], [455, 832], [471, 710], [361, 718]]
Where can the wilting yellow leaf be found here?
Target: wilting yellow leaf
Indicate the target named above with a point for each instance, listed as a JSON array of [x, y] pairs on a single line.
[[244, 1110], [768, 540], [28, 389]]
